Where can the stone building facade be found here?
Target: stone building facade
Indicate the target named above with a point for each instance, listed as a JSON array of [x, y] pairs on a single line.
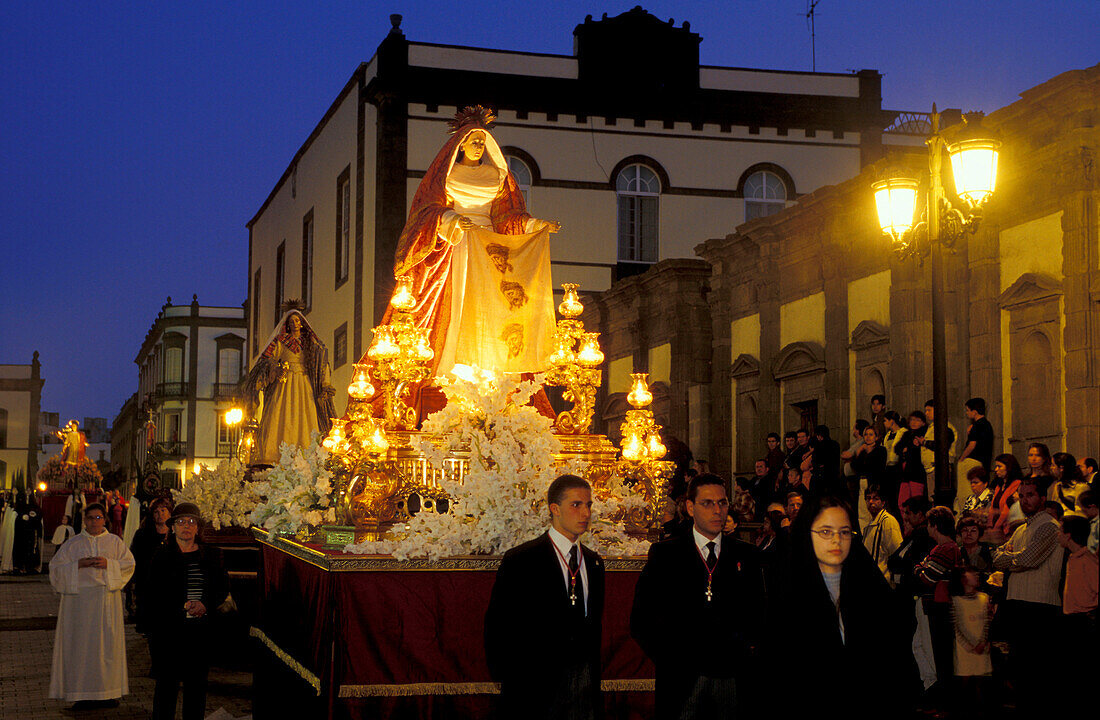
[[20, 407], [811, 313], [189, 368], [592, 137]]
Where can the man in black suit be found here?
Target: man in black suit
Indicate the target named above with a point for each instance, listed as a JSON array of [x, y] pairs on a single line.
[[543, 626], [698, 610]]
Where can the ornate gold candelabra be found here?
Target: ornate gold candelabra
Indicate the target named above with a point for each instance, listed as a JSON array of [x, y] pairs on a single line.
[[575, 365], [642, 448], [400, 353]]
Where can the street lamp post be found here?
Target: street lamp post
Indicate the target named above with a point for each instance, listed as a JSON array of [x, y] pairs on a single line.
[[974, 170]]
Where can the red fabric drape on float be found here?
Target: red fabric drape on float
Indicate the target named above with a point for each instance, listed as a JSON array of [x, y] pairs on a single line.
[[410, 643]]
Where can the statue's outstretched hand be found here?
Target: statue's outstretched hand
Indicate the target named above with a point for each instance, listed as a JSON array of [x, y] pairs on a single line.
[[555, 227], [465, 223]]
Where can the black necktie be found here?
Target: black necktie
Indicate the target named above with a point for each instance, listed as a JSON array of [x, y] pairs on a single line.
[[712, 558], [574, 571]]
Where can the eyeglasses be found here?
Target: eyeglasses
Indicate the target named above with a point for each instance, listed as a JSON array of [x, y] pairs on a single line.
[[94, 517], [185, 521], [828, 533]]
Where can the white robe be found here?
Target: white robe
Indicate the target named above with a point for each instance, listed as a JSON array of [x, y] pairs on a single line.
[[89, 650], [7, 538]]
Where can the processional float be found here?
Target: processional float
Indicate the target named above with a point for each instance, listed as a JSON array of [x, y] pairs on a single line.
[[381, 476]]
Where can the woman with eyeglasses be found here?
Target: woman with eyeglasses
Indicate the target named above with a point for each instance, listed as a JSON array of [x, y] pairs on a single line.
[[850, 620], [187, 584]]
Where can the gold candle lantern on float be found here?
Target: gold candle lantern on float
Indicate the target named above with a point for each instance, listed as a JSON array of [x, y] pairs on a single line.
[[642, 448], [575, 365]]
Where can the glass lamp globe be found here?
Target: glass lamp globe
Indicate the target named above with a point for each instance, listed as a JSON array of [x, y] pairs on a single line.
[[896, 202], [974, 166]]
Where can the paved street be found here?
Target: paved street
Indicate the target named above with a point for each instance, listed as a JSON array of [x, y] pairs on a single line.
[[28, 614]]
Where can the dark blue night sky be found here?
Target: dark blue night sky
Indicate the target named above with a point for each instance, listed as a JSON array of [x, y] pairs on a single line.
[[138, 138]]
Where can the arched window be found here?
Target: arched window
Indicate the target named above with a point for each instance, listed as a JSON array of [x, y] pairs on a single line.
[[522, 174], [638, 189], [765, 194]]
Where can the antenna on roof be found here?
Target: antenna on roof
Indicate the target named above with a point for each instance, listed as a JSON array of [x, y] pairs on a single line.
[[811, 6]]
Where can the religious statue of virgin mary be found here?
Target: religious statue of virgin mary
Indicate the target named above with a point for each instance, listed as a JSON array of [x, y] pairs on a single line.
[[480, 264], [290, 388]]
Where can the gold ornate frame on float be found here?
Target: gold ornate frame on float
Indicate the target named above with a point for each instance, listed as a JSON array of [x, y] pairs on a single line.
[[378, 469]]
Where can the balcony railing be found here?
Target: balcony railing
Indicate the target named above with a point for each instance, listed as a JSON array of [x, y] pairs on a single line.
[[173, 390], [169, 449], [226, 449], [223, 391]]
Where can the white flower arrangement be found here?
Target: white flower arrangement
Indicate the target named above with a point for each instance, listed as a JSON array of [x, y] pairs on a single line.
[[223, 497], [297, 491], [501, 502]]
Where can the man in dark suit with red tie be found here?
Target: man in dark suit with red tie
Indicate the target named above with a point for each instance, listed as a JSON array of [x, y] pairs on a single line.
[[698, 611], [544, 622]]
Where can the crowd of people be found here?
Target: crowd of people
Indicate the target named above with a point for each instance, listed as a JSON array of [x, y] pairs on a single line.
[[991, 567], [178, 585]]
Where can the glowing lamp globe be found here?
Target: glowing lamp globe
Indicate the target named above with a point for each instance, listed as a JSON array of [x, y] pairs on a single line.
[[377, 441], [654, 447], [633, 448], [974, 165], [570, 306], [384, 346], [403, 298], [639, 395], [361, 388], [424, 351], [590, 354], [563, 355], [233, 416], [896, 202]]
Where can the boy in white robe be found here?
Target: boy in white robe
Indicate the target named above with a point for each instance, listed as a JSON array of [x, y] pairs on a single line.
[[89, 653]]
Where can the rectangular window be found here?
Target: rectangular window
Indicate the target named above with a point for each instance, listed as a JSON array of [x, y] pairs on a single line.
[[340, 346], [343, 225], [280, 277], [228, 438], [173, 365], [255, 300], [307, 261], [171, 428], [229, 366], [637, 228]]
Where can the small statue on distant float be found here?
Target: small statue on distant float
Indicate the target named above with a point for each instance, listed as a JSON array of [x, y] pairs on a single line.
[[479, 262], [74, 443], [290, 388]]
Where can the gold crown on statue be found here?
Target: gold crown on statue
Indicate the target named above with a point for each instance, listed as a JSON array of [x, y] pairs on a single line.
[[292, 304], [477, 115]]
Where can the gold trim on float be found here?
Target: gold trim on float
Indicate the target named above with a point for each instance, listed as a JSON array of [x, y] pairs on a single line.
[[347, 562], [301, 670], [471, 688]]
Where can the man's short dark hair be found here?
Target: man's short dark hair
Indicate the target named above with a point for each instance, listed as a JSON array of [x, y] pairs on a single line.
[[880, 397], [1077, 528], [976, 404], [861, 425], [917, 504], [943, 520], [705, 479], [95, 506], [1091, 462], [822, 430], [563, 483], [790, 434], [804, 431], [1087, 498], [795, 493], [930, 404], [872, 489], [773, 435], [1039, 482], [892, 415]]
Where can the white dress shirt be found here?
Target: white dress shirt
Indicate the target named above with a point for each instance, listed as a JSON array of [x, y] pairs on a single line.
[[563, 545], [701, 541]]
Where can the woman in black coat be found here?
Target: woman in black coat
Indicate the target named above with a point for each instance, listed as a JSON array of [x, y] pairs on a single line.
[[187, 583], [147, 540], [842, 621]]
